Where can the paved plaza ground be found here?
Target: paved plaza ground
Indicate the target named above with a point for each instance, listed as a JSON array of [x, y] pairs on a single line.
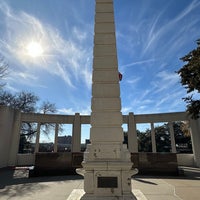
[[15, 184]]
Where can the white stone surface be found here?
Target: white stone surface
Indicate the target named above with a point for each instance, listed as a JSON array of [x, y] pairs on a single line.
[[102, 134], [101, 76], [104, 39], [105, 50], [107, 165], [106, 118], [101, 63], [104, 1], [78, 194], [105, 90], [105, 7], [104, 17], [106, 104]]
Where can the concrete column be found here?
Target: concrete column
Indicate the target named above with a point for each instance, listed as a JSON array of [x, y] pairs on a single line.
[[132, 134], [76, 134], [195, 136], [6, 134], [14, 145], [153, 138], [56, 138], [37, 142], [173, 143]]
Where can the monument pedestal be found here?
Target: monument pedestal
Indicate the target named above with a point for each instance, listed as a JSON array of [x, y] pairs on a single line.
[[107, 172], [91, 197], [79, 194]]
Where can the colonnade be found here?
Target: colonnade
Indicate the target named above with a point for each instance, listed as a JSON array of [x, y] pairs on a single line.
[[11, 122]]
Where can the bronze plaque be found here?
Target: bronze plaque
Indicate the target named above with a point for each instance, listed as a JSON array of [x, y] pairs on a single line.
[[107, 182]]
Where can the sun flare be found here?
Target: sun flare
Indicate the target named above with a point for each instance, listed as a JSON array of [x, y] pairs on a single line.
[[34, 49]]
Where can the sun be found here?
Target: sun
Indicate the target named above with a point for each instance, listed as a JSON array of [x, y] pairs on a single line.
[[34, 49]]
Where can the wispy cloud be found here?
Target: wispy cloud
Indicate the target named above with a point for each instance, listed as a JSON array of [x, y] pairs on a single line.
[[133, 81], [163, 94], [193, 5], [126, 110], [138, 62], [164, 81], [71, 111], [157, 32], [67, 58], [19, 77]]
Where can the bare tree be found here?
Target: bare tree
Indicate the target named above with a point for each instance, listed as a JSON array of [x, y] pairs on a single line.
[[23, 101], [27, 102], [3, 70], [47, 107]]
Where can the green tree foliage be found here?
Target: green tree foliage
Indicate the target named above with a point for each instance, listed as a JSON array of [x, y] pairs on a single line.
[[181, 134], [182, 137], [190, 78], [144, 141], [163, 140]]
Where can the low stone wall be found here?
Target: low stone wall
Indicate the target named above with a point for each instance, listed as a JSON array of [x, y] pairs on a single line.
[[66, 163], [155, 163], [186, 160], [62, 163], [182, 159], [25, 159]]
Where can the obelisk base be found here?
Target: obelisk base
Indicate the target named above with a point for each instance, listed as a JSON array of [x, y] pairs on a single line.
[[92, 197], [108, 178], [79, 194]]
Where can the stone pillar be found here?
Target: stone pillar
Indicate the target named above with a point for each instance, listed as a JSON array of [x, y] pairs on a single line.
[[132, 134], [153, 138], [9, 140], [195, 136], [14, 145], [107, 165], [76, 134], [37, 138], [173, 143], [56, 138]]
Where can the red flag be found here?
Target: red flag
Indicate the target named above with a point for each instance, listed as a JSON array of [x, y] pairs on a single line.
[[120, 76]]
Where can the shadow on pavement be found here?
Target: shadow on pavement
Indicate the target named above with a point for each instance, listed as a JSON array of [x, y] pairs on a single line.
[[10, 177], [145, 181]]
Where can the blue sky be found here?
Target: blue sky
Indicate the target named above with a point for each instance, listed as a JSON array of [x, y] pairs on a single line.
[[152, 36]]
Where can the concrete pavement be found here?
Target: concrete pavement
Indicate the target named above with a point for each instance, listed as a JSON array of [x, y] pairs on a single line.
[[15, 185]]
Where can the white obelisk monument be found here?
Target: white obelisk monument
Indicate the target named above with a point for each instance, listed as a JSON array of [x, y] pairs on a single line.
[[106, 165]]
